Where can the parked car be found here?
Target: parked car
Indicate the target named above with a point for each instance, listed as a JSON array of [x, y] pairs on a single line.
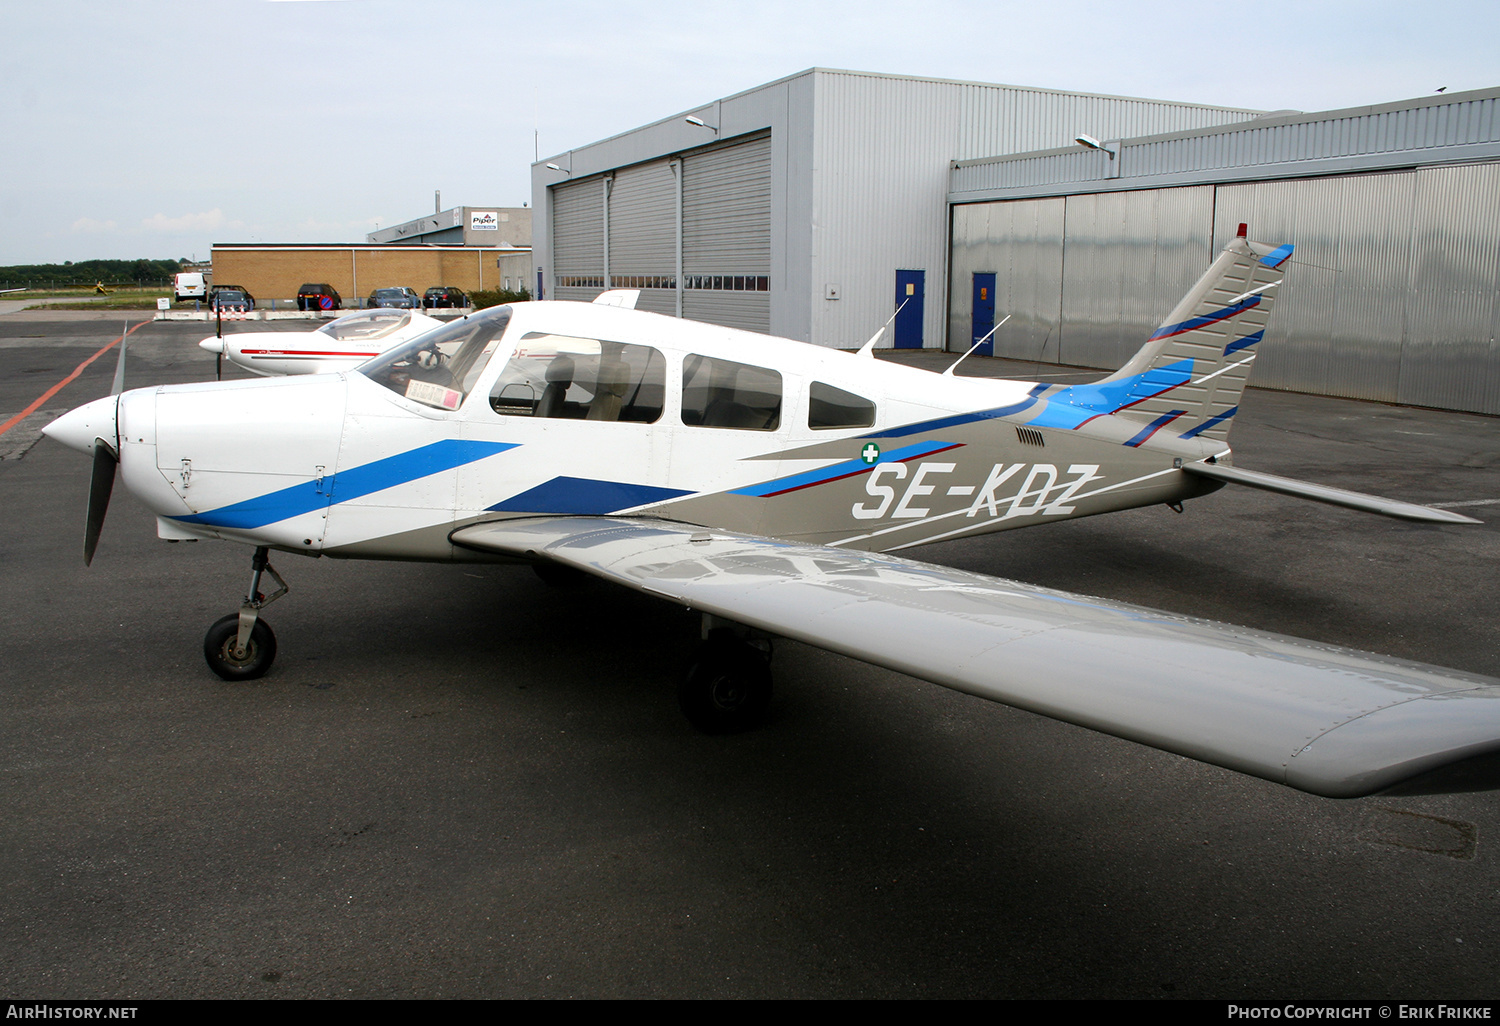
[[231, 297], [402, 298], [319, 296], [190, 285], [444, 296]]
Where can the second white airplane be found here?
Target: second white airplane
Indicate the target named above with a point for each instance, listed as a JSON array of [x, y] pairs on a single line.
[[340, 344]]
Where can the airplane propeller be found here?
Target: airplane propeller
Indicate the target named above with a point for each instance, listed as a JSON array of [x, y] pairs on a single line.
[[106, 461]]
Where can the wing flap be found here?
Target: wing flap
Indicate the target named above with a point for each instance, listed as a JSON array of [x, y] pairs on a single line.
[[1320, 718]]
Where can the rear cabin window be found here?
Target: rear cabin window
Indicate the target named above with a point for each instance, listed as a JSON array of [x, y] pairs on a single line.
[[570, 378], [723, 394], [830, 407]]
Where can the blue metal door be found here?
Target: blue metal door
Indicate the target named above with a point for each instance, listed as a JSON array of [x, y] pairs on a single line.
[[909, 289], [984, 313]]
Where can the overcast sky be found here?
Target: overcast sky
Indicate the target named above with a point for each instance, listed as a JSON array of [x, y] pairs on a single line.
[[154, 129]]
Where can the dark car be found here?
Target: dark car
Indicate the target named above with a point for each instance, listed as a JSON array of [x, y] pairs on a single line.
[[319, 296], [445, 296], [231, 297], [402, 298]]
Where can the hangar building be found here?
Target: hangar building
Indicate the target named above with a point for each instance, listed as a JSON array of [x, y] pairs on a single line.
[[811, 207], [1392, 294], [800, 207]]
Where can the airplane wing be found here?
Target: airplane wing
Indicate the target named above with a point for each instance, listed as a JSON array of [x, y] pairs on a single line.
[[1323, 719]]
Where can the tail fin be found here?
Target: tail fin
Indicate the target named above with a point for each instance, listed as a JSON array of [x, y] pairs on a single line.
[[1190, 373]]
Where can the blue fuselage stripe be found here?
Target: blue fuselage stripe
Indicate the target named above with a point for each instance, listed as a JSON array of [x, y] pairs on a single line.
[[943, 423], [348, 484], [848, 468]]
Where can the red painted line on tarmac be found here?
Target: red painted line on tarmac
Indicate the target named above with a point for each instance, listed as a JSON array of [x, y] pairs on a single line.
[[59, 386]]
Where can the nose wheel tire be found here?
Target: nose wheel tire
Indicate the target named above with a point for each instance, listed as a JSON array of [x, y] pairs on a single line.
[[728, 689], [219, 644]]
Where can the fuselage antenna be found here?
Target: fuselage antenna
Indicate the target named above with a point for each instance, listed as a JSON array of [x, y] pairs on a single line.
[[949, 372]]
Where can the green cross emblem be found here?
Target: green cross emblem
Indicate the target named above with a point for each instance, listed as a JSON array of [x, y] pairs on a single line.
[[870, 453]]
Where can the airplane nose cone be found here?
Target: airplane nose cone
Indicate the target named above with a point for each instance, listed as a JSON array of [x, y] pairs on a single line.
[[78, 428], [213, 345]]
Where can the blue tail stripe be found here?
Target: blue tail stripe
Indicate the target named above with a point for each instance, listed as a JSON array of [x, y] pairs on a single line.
[[348, 484], [1071, 407], [1155, 426], [1277, 256], [1209, 423], [1168, 330], [1244, 343]]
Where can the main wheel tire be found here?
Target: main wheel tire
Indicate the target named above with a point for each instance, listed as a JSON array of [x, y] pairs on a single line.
[[728, 689], [218, 649]]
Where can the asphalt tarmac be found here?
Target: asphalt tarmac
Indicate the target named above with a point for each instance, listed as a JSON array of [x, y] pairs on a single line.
[[459, 782]]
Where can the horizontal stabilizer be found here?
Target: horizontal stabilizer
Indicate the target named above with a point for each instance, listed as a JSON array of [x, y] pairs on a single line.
[[1325, 493], [1323, 719]]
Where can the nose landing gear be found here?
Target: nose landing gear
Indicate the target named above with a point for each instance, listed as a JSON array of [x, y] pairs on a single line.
[[241, 646]]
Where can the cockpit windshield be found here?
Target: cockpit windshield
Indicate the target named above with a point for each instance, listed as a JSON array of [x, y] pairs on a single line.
[[367, 324], [438, 368]]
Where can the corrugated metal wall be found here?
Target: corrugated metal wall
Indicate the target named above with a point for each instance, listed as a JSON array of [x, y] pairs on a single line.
[[879, 206], [1426, 130], [1022, 244], [1127, 258], [1391, 294], [1453, 309]]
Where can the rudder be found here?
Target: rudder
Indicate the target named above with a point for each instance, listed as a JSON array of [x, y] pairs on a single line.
[[1202, 354]]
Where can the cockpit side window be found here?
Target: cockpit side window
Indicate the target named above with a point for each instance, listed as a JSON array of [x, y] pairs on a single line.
[[438, 368], [829, 407], [723, 394], [569, 378]]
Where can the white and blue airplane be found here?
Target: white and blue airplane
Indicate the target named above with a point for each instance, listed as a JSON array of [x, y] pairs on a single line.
[[763, 482]]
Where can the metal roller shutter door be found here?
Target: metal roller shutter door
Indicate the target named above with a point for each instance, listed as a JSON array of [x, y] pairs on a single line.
[[578, 239], [726, 235], [643, 234]]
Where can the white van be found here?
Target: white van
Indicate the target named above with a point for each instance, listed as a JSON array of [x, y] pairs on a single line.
[[190, 285]]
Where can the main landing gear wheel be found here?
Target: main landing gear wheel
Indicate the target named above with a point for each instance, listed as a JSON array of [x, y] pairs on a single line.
[[729, 687], [241, 646], [219, 649]]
